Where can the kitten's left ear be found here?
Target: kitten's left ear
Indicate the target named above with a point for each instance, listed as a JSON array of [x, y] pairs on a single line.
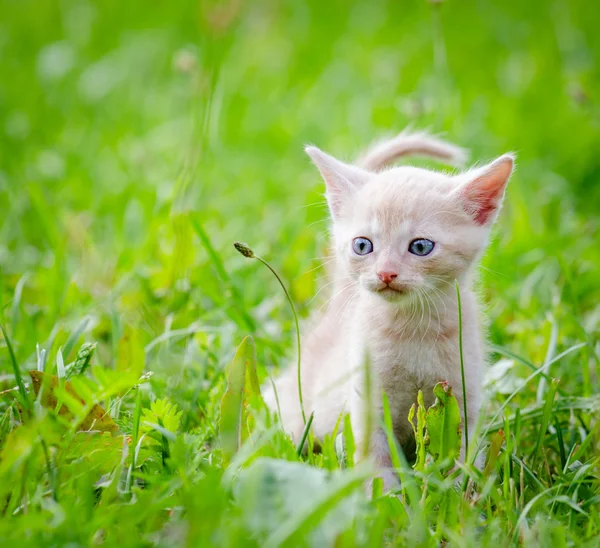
[[482, 190], [342, 180]]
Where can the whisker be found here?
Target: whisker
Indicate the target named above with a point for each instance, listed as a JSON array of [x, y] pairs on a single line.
[[319, 266], [428, 301], [306, 206], [320, 290], [494, 271], [343, 288], [317, 222]]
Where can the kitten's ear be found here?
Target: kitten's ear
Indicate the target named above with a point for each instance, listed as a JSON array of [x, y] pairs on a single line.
[[481, 190], [341, 179]]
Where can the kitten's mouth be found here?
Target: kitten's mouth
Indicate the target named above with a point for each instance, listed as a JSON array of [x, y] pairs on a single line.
[[395, 291], [389, 291]]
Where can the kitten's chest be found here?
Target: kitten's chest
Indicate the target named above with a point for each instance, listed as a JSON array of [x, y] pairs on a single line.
[[405, 369], [405, 366], [420, 359]]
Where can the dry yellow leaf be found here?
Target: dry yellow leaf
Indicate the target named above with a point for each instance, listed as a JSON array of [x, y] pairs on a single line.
[[97, 418]]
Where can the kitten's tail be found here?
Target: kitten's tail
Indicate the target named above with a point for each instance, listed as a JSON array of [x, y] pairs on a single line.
[[383, 153]]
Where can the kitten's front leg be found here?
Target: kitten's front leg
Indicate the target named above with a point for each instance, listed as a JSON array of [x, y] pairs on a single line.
[[380, 451]]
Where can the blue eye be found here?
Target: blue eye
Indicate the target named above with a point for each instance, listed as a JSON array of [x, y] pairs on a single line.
[[362, 246], [421, 247]]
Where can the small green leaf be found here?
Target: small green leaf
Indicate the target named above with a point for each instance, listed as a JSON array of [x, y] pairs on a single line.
[[419, 430], [242, 367], [494, 451], [349, 444], [444, 431], [164, 413], [163, 418]]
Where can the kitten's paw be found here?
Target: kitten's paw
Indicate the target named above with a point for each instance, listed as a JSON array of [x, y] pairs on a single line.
[[390, 479]]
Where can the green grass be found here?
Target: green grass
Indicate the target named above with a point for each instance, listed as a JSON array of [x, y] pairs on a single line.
[[139, 140]]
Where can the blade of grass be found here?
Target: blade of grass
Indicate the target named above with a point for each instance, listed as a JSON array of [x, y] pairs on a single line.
[[528, 471], [51, 470], [16, 303], [507, 462], [298, 525], [525, 382], [546, 416], [368, 418], [398, 459], [305, 434], [74, 336], [549, 355], [575, 455], [582, 404], [134, 439], [279, 416], [561, 443], [462, 371], [528, 508], [509, 354], [22, 391]]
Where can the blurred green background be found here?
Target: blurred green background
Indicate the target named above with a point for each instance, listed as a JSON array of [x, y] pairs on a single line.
[[139, 140], [121, 118]]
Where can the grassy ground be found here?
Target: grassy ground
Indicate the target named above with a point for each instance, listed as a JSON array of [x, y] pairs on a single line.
[[139, 140]]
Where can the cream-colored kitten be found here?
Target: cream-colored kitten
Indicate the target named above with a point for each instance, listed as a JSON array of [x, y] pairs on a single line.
[[402, 236]]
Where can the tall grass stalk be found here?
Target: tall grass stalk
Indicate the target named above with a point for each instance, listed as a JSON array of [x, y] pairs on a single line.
[[462, 369], [247, 252]]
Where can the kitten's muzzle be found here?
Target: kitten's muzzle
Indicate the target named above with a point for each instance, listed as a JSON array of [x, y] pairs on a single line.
[[389, 283]]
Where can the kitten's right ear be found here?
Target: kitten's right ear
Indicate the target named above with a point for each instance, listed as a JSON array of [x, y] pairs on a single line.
[[341, 179], [481, 190]]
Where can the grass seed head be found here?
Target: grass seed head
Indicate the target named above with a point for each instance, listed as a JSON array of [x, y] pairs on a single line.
[[244, 250]]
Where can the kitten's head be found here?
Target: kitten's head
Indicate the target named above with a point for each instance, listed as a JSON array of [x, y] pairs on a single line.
[[407, 230]]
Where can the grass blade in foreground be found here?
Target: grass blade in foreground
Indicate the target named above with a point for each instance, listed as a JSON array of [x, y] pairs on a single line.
[[232, 402], [293, 530], [462, 370], [305, 434], [22, 391]]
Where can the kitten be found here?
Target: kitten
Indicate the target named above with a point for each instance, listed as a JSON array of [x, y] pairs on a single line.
[[401, 237]]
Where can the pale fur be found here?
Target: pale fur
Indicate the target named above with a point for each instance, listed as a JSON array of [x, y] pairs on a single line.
[[409, 338]]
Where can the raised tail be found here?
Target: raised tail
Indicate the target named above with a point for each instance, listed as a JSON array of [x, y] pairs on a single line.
[[385, 152]]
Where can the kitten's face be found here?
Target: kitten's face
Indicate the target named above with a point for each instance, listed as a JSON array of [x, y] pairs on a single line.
[[404, 233], [407, 230]]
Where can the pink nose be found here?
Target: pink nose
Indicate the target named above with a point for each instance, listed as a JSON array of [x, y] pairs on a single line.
[[387, 277]]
